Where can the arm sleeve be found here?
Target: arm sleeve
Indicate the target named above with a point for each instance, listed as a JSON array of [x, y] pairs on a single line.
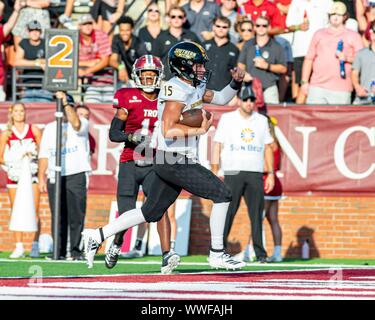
[[116, 131]]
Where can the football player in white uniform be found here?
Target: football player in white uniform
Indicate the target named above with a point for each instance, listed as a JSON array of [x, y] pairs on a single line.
[[176, 162]]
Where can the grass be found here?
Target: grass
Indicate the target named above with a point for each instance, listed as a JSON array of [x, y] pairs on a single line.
[[147, 265]]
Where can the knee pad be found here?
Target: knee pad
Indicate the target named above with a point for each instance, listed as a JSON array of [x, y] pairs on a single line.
[[151, 211]]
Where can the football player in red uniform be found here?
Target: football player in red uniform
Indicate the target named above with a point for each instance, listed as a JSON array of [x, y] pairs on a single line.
[[134, 122]]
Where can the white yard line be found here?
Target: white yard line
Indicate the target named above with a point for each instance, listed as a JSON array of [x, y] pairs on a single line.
[[153, 262]]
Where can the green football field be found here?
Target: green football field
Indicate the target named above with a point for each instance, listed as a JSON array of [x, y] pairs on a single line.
[[29, 267]]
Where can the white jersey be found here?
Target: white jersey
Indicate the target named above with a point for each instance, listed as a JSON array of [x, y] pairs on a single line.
[[192, 97]]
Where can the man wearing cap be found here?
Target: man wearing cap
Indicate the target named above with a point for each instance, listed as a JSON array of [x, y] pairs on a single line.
[[94, 53], [31, 54], [75, 166], [243, 144], [322, 78]]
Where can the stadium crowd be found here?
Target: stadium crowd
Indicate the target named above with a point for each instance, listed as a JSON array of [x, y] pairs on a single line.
[[303, 51]]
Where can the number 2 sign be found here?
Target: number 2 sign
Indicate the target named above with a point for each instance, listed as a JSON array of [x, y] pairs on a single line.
[[61, 60]]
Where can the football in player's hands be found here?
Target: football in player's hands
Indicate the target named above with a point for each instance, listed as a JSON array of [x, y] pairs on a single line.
[[193, 117]]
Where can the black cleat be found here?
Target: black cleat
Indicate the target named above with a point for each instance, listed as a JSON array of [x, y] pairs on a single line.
[[111, 256], [170, 262]]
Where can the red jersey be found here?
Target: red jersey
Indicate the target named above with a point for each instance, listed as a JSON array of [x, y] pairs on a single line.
[[142, 117], [266, 9]]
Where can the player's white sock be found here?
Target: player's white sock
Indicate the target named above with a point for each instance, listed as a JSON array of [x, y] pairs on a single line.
[[217, 224], [125, 221]]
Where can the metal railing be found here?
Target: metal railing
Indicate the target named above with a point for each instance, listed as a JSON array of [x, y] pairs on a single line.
[[100, 80]]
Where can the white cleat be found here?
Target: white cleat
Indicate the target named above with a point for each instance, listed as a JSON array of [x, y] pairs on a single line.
[[19, 252], [170, 262], [222, 260], [91, 245]]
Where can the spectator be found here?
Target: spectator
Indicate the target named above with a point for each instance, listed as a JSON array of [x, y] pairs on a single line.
[[351, 22], [5, 30], [304, 19], [365, 13], [222, 53], [171, 3], [66, 18], [322, 61], [269, 65], [243, 142], [228, 9], [30, 53], [126, 48], [75, 165], [363, 70], [200, 15], [106, 13], [246, 31], [23, 141], [263, 8], [31, 10], [283, 6], [175, 33], [284, 80], [271, 198], [149, 33], [94, 53]]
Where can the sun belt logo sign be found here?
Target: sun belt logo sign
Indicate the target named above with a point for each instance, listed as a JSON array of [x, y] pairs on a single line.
[[247, 135]]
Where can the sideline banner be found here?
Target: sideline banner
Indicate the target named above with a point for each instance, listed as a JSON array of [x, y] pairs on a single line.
[[328, 150]]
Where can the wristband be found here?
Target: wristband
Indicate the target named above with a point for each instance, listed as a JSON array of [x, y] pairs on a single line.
[[121, 66], [269, 67], [235, 85]]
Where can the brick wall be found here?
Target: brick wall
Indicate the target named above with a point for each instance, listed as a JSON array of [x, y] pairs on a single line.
[[337, 227]]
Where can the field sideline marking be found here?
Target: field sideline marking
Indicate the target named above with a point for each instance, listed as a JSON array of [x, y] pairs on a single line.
[[276, 265]]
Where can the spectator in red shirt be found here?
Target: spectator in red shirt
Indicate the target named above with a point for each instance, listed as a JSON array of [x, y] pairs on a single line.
[[255, 8], [283, 6], [4, 32], [94, 53]]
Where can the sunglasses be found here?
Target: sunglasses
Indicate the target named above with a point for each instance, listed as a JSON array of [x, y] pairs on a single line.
[[86, 24], [261, 25], [222, 27], [246, 30], [179, 17], [153, 10]]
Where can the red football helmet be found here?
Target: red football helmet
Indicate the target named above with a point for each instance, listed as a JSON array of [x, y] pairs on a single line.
[[148, 62]]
